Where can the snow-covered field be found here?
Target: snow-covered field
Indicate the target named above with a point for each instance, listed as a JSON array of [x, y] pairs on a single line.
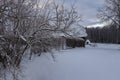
[[91, 63]]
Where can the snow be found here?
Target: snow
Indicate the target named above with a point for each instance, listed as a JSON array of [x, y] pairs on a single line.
[[23, 38], [74, 31], [77, 31], [91, 63]]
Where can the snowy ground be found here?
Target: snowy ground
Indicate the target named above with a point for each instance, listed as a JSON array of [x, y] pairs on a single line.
[[91, 63]]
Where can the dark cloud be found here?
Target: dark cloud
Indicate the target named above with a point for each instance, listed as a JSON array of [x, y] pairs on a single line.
[[88, 9]]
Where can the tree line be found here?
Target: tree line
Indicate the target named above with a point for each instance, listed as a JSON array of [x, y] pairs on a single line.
[[107, 34], [110, 13]]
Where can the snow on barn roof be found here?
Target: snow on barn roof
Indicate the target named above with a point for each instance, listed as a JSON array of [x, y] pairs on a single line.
[[75, 32], [78, 31]]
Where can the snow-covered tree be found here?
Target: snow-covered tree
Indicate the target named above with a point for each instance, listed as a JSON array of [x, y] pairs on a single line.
[[29, 27]]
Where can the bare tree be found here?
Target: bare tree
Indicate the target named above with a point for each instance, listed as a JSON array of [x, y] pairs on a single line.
[[28, 28], [110, 12]]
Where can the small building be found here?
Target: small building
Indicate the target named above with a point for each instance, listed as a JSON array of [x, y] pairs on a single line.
[[74, 38]]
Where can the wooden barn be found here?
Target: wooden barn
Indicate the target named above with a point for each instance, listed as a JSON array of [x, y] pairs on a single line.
[[80, 42], [76, 39], [67, 42]]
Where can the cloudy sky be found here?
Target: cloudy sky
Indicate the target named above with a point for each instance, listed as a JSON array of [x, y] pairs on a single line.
[[88, 10]]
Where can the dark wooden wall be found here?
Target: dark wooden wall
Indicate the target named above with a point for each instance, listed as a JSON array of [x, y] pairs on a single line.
[[75, 43]]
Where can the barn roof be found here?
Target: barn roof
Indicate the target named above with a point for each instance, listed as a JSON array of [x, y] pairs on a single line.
[[75, 32]]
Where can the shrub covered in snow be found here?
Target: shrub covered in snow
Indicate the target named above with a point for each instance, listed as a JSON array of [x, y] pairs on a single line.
[[27, 29]]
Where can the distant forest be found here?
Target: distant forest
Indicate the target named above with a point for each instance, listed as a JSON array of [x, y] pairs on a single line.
[[106, 34]]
